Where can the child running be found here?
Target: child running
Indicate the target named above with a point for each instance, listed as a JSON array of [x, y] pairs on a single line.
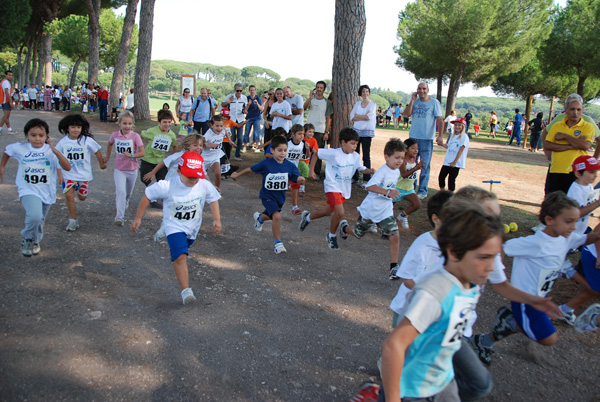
[[536, 266], [378, 208], [191, 143], [185, 127], [417, 355], [213, 151], [296, 147], [77, 146], [406, 182], [128, 146], [456, 155], [341, 163], [313, 145], [159, 139], [36, 180], [183, 201], [277, 172]]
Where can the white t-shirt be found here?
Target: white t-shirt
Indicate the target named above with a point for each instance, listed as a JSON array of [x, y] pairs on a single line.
[[182, 205], [339, 169], [212, 155], [454, 145], [185, 105], [78, 153], [36, 174], [172, 164], [285, 109], [317, 114], [378, 207], [584, 195], [129, 101], [295, 151], [5, 87], [370, 111], [296, 102], [538, 259]]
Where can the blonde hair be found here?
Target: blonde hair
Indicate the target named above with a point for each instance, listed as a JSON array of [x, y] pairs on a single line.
[[124, 114], [190, 139], [474, 193]]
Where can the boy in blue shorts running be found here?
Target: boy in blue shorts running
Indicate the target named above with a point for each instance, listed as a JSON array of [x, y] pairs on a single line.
[[277, 172]]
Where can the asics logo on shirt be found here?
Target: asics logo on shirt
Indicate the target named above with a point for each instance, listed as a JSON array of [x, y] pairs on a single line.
[[185, 207], [34, 154]]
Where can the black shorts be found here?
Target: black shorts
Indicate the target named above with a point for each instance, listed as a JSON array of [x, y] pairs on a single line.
[[388, 118], [6, 106]]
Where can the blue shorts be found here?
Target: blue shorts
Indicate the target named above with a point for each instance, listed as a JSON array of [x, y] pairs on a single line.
[[534, 323], [403, 193], [271, 206], [6, 106], [179, 244], [591, 273]]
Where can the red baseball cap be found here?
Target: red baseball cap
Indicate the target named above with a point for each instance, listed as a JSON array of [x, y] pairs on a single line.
[[225, 112], [585, 162], [460, 120], [191, 164]]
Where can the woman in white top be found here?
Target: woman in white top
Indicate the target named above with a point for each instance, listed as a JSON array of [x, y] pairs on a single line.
[[364, 116], [184, 104]]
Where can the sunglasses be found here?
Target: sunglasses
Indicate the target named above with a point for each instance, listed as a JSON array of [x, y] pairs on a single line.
[[238, 90]]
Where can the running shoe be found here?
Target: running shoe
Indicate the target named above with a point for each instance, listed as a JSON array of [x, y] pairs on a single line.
[[35, 249], [394, 273], [403, 219], [501, 328], [332, 242], [587, 321], [120, 222], [484, 354], [568, 317], [303, 222], [72, 226], [187, 295], [342, 229], [257, 224], [27, 247], [296, 211], [279, 248], [369, 392]]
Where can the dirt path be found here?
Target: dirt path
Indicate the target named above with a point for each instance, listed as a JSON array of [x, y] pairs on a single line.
[[97, 315]]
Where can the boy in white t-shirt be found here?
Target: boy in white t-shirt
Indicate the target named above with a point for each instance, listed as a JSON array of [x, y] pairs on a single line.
[[341, 164], [377, 209], [183, 201]]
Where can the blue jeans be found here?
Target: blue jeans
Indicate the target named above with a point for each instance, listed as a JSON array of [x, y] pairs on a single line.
[[236, 137], [516, 133], [253, 125], [425, 153], [103, 106]]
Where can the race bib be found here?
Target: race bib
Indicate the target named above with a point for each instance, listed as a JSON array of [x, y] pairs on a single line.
[[74, 153], [387, 186], [185, 211], [36, 172], [592, 197], [161, 143], [122, 146], [276, 181], [546, 281], [461, 312], [293, 156]]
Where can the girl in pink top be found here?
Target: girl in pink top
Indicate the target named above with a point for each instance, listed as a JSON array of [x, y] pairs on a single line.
[[128, 146]]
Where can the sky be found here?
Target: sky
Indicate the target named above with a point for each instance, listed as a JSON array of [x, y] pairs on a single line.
[[240, 37]]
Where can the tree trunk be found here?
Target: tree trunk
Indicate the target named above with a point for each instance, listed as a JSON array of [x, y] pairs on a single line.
[[350, 28], [93, 9], [116, 86], [34, 62], [142, 68], [20, 67], [526, 119], [580, 84], [46, 60], [73, 81], [551, 109], [440, 82], [39, 78], [24, 79], [455, 81]]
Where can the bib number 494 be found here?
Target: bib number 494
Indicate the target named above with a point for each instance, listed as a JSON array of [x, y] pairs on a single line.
[[35, 179]]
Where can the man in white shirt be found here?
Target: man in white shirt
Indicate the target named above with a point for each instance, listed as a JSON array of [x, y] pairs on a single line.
[[319, 115], [297, 104], [6, 100], [236, 102]]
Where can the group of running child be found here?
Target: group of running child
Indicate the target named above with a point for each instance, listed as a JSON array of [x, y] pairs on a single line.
[[431, 352]]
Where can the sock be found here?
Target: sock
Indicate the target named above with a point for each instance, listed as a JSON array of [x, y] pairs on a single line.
[[486, 341], [331, 235], [393, 264], [260, 219], [294, 207], [308, 218], [565, 309], [277, 241]]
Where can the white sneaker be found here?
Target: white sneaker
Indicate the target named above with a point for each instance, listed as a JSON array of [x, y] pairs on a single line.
[[403, 219], [72, 226], [26, 247], [279, 248], [237, 158], [187, 295], [257, 224], [35, 249], [160, 234], [587, 321], [302, 189], [244, 150], [120, 222], [422, 196], [257, 150], [568, 317]]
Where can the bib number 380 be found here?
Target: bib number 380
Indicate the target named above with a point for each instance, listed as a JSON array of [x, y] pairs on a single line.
[[276, 181]]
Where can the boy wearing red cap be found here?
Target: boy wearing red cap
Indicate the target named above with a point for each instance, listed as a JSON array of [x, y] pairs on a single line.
[[457, 147], [183, 201]]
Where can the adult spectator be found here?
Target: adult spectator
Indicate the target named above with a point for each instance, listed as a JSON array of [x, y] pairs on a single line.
[[32, 94], [388, 115], [297, 104], [102, 95], [184, 104], [268, 124], [281, 111], [493, 124], [319, 115], [567, 139], [253, 114], [129, 101], [468, 118], [66, 99], [202, 111], [426, 113], [516, 133], [397, 116], [56, 97], [537, 126], [364, 118], [405, 121], [6, 101], [236, 102]]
